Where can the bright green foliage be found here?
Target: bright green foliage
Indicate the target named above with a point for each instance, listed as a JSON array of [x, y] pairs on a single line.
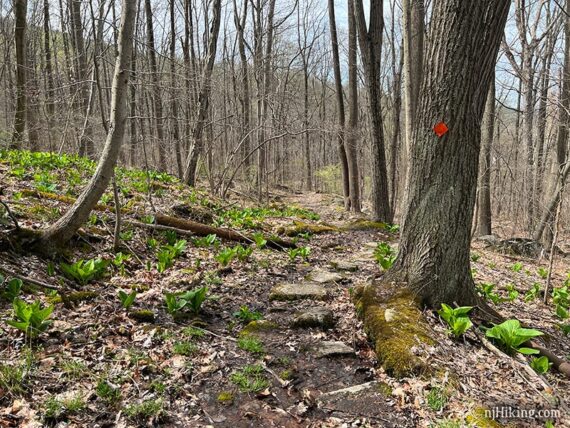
[[127, 235], [302, 252], [564, 328], [392, 228], [225, 257], [517, 267], [170, 236], [561, 298], [206, 241], [120, 260], [475, 257], [250, 343], [45, 182], [32, 319], [456, 318], [260, 241], [542, 272], [145, 410], [250, 218], [176, 302], [168, 253], [108, 393], [57, 409], [84, 271], [511, 336], [533, 293], [127, 300], [148, 219], [436, 399], [384, 255], [512, 292], [246, 315], [12, 288], [193, 332], [250, 379], [487, 291], [540, 365], [561, 312], [14, 378], [151, 243], [243, 253], [184, 348]]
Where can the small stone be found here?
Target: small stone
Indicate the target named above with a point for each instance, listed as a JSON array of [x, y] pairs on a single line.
[[314, 317], [298, 291], [389, 315], [342, 265], [324, 277], [333, 349]]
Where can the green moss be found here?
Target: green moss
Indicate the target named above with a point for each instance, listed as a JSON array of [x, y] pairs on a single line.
[[286, 375], [363, 224], [75, 297], [143, 315], [385, 389], [140, 288], [478, 418], [393, 320], [302, 227], [225, 397], [259, 326]]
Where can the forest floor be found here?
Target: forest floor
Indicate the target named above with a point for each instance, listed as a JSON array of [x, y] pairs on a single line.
[[277, 341]]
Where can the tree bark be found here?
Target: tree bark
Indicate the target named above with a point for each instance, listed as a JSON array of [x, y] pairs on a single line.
[[371, 49], [435, 242], [62, 230], [484, 195], [20, 10]]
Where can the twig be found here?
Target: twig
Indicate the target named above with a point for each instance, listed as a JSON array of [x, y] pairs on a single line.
[[283, 383], [30, 280], [552, 248], [10, 214], [117, 231]]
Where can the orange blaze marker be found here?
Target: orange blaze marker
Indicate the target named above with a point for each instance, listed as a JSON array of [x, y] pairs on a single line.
[[440, 129]]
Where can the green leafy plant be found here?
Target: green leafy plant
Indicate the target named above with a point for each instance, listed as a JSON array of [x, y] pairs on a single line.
[[542, 272], [225, 256], [31, 318], [302, 252], [392, 228], [120, 260], [170, 236], [84, 271], [384, 255], [540, 364], [107, 392], [533, 293], [561, 298], [246, 315], [243, 253], [168, 253], [487, 291], [148, 219], [127, 235], [475, 257], [436, 398], [206, 241], [517, 267], [512, 292], [457, 318], [564, 328], [127, 300], [260, 241], [185, 348], [152, 243], [510, 335], [12, 288], [250, 343], [176, 302]]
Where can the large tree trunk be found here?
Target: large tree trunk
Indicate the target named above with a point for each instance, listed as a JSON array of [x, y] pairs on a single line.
[[62, 231], [371, 48], [351, 139], [203, 98], [460, 59], [340, 106], [20, 9], [484, 194]]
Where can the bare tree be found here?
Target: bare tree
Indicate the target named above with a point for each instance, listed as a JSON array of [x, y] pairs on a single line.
[[20, 10]]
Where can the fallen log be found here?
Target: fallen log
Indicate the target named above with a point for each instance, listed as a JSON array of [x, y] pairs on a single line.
[[229, 234]]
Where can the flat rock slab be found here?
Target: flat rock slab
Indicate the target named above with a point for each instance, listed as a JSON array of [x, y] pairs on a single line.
[[314, 317], [298, 291], [343, 265], [333, 349], [324, 276], [368, 400]]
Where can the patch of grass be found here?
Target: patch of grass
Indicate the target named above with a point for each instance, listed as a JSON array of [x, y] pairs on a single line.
[[192, 332], [436, 399], [184, 348], [74, 369], [107, 392], [145, 410], [447, 423], [250, 378], [158, 387], [14, 377], [56, 409], [225, 397], [250, 344]]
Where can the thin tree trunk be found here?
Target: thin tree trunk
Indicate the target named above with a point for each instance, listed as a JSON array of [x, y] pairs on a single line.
[[20, 10]]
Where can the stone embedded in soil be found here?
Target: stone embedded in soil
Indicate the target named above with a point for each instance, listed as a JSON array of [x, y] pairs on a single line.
[[333, 349], [298, 291], [324, 277], [314, 317], [342, 265]]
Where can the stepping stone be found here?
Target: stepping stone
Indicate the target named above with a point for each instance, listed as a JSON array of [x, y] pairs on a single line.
[[298, 291], [314, 317], [343, 265], [333, 349], [323, 276]]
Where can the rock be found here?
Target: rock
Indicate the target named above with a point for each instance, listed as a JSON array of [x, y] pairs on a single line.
[[314, 317], [342, 265], [298, 291], [333, 349], [324, 277]]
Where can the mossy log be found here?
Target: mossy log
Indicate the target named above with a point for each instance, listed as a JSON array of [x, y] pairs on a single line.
[[229, 234], [60, 198], [302, 227], [394, 322]]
